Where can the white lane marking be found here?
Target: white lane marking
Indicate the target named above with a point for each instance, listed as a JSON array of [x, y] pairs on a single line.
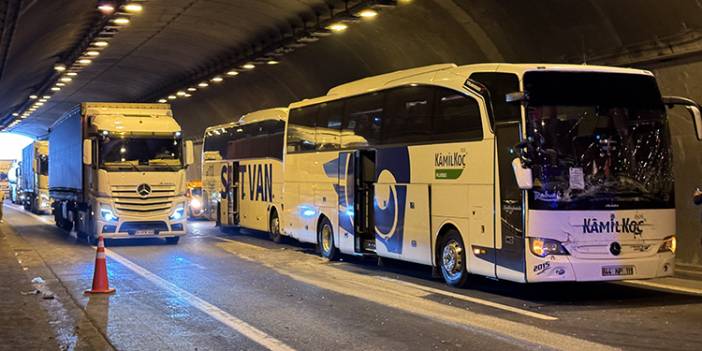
[[474, 300], [663, 286], [225, 318], [439, 291], [36, 216]]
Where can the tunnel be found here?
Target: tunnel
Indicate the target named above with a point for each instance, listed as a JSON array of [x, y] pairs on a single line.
[[214, 61]]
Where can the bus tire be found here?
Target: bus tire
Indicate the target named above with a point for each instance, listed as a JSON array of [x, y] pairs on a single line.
[[325, 240], [452, 259], [274, 227]]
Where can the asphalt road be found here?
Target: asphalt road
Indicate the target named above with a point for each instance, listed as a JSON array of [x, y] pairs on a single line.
[[217, 291]]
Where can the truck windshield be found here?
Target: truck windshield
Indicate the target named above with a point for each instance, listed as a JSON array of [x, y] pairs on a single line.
[[140, 153], [44, 165], [599, 141]]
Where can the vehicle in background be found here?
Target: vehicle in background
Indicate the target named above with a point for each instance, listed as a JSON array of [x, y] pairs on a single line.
[[35, 177], [118, 169], [522, 172], [242, 168], [15, 182], [5, 166], [196, 208]]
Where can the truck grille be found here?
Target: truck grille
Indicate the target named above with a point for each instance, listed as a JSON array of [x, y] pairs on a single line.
[[159, 200]]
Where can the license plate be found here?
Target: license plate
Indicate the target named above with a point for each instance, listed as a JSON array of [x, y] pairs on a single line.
[[610, 271], [144, 232]]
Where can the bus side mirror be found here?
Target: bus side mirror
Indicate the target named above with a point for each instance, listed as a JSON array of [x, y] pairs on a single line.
[[87, 152], [189, 153], [525, 181], [692, 107]]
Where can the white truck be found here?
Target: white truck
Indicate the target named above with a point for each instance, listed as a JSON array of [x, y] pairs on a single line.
[[118, 169], [34, 190]]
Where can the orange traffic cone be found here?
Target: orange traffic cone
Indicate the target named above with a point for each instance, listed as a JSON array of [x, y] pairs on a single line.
[[100, 283]]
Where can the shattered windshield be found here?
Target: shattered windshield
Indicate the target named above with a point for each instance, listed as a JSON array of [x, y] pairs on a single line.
[[599, 141]]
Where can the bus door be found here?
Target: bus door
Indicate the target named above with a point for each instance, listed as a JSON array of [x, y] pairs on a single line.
[[233, 194], [510, 259], [361, 176]]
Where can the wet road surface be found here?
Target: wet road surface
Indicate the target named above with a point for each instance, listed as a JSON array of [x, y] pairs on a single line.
[[237, 290]]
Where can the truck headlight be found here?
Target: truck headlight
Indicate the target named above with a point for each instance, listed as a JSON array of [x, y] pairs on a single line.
[[669, 244], [107, 214], [195, 203], [177, 213], [544, 247]]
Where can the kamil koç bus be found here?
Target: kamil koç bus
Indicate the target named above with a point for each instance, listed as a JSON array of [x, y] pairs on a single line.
[[242, 171], [528, 173]]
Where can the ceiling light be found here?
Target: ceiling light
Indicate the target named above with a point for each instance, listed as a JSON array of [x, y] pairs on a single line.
[[15, 114], [39, 104], [368, 13], [133, 7], [85, 61], [47, 97], [106, 8], [66, 79], [42, 100], [101, 43], [232, 73], [192, 89], [217, 79], [272, 62], [72, 74], [180, 93], [33, 97], [60, 67], [92, 53], [338, 27], [171, 97], [203, 85], [187, 95], [121, 20], [55, 89], [59, 84], [248, 66], [162, 101]]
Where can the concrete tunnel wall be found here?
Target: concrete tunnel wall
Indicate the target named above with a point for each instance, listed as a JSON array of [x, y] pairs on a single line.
[[437, 31]]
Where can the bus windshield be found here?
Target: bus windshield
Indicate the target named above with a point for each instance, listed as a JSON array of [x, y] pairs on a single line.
[[140, 153], [597, 141]]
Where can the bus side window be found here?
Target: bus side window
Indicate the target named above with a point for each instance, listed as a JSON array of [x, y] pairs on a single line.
[[408, 115], [457, 117], [276, 133], [329, 125], [301, 129], [500, 84], [362, 120]]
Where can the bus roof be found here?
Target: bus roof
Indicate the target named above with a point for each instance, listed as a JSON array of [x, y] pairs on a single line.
[[448, 72], [277, 113]]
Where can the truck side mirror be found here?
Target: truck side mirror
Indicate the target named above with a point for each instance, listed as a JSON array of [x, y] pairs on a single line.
[[692, 107], [189, 153], [35, 166], [87, 152], [525, 180]]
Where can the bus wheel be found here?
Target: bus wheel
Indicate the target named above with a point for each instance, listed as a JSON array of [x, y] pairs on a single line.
[[452, 259], [325, 240], [274, 228]]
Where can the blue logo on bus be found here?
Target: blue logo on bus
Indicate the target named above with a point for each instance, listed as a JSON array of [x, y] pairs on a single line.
[[392, 172]]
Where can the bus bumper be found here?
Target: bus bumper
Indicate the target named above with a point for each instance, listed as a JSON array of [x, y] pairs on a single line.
[[569, 268]]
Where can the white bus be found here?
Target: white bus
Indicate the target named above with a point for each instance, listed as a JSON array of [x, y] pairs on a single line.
[[522, 172], [242, 167]]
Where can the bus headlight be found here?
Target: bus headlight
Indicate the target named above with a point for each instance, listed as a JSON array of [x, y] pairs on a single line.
[[544, 247], [669, 244], [177, 213], [107, 214]]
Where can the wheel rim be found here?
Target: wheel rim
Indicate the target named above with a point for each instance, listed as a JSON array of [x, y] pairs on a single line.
[[275, 225], [452, 259], [326, 238]]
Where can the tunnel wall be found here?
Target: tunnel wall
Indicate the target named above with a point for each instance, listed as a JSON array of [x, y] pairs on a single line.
[[462, 32]]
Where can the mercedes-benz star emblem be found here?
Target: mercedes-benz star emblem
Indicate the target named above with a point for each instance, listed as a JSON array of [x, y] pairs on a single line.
[[143, 190], [615, 248]]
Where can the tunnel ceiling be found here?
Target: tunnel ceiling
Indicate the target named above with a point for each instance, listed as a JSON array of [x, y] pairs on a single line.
[[174, 44]]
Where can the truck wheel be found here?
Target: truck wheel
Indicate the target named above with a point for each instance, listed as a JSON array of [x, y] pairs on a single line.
[[274, 228], [325, 240], [452, 259], [172, 240]]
